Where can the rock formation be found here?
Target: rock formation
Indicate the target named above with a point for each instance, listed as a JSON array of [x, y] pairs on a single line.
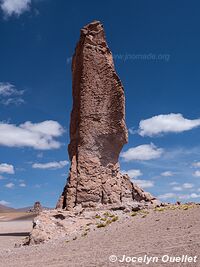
[[97, 130], [37, 208]]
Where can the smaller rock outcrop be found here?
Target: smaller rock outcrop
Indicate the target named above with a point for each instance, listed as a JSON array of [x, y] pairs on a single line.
[[37, 207]]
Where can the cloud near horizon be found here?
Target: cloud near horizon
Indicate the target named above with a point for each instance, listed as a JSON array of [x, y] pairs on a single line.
[[168, 123], [14, 7], [35, 135], [4, 203], [132, 173], [142, 152], [179, 197], [51, 165]]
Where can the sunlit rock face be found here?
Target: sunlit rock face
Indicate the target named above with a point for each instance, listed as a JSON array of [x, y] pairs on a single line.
[[97, 129]]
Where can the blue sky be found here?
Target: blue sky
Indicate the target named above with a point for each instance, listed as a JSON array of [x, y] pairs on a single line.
[[155, 45]]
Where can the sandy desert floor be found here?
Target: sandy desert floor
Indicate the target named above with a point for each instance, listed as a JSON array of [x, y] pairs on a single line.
[[14, 226], [169, 232]]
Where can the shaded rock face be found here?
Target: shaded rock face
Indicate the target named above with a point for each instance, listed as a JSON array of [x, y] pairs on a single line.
[[97, 129]]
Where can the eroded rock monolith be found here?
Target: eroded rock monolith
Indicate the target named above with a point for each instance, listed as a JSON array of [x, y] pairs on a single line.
[[97, 130]]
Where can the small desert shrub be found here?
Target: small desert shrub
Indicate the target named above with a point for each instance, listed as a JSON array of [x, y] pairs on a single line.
[[114, 218], [185, 207], [159, 209], [103, 219], [87, 229], [107, 221], [84, 234], [144, 212], [107, 214], [173, 207], [134, 213], [100, 225]]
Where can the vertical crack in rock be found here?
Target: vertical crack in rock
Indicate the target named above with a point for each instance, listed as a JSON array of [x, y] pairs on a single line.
[[97, 129]]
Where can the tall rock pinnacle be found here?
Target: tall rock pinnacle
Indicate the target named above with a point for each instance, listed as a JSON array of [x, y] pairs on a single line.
[[97, 129]]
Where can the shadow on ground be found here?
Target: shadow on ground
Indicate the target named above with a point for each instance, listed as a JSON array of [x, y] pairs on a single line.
[[15, 234]]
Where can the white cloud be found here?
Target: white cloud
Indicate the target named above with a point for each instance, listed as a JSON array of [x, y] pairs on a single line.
[[144, 183], [187, 185], [196, 164], [133, 173], [167, 174], [40, 155], [132, 131], [4, 203], [36, 135], [22, 185], [167, 196], [182, 187], [180, 197], [6, 168], [196, 174], [173, 183], [14, 7], [194, 195], [177, 188], [37, 186], [9, 185], [169, 123], [189, 196], [10, 95], [142, 152], [50, 165]]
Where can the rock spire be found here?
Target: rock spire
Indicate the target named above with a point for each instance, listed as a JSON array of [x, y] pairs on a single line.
[[97, 130]]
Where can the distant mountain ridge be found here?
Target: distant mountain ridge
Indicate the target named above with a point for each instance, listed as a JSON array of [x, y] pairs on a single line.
[[25, 209], [6, 209]]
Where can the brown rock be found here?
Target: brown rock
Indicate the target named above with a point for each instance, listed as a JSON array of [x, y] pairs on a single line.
[[37, 208], [97, 129]]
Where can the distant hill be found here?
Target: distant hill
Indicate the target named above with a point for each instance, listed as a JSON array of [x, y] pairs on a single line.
[[6, 209], [25, 209]]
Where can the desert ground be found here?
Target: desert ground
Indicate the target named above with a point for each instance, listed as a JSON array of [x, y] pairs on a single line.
[[173, 232], [14, 226]]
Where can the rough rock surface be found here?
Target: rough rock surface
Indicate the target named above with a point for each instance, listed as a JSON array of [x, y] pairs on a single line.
[[56, 224], [97, 130]]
